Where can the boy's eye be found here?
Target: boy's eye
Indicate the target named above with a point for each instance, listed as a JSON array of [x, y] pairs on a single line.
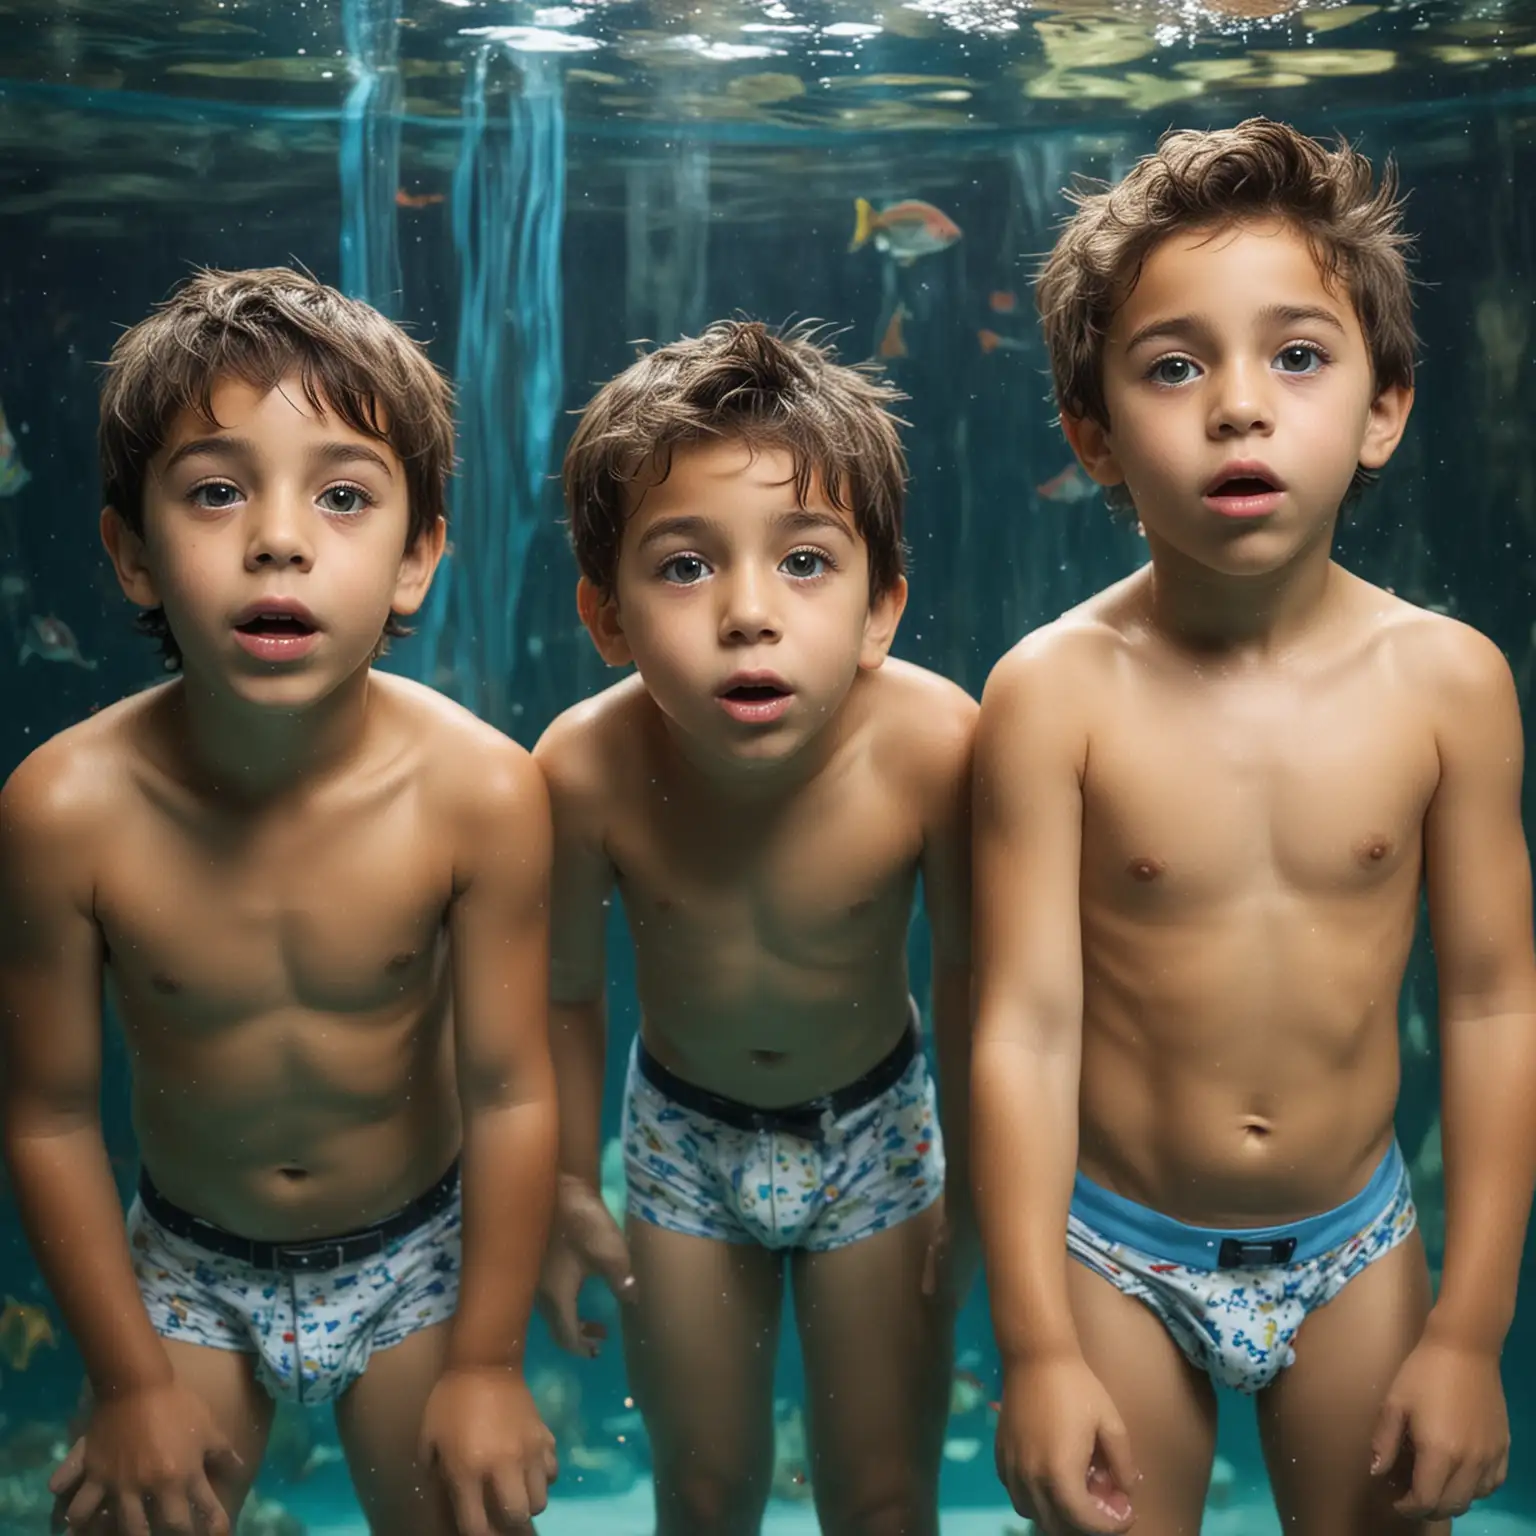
[[345, 499], [1173, 370], [214, 495], [683, 570], [1299, 357], [804, 563]]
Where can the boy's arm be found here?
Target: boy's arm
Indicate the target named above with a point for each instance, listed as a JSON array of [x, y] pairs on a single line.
[[582, 886], [1447, 1400], [1057, 1422], [50, 1029], [1478, 877], [946, 871], [499, 932], [1027, 810]]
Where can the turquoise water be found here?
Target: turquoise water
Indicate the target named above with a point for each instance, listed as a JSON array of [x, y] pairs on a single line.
[[578, 176]]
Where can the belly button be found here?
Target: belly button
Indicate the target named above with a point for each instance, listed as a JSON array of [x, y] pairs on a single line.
[[293, 1174], [766, 1058]]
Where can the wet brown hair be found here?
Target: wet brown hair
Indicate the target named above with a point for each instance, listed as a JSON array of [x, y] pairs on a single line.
[[1203, 180], [262, 326], [769, 388]]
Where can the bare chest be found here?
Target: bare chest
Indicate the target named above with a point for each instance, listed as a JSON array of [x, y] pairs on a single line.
[[1192, 800], [818, 883], [339, 915]]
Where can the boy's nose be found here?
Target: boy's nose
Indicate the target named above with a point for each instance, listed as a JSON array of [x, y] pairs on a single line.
[[277, 536], [1242, 404], [748, 615]]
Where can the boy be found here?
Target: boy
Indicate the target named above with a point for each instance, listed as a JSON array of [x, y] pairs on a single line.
[[284, 865], [1206, 802], [764, 793]]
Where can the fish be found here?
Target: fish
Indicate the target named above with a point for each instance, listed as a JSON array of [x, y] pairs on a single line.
[[1003, 302], [24, 1329], [404, 199], [891, 342], [1070, 486], [904, 231], [51, 639], [13, 473], [992, 342]]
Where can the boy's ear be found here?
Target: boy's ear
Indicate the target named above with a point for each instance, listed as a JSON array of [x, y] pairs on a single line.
[[601, 616], [1090, 442], [1386, 425], [417, 567], [125, 549], [880, 624]]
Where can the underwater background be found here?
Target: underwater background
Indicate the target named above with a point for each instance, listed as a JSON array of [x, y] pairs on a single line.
[[534, 189]]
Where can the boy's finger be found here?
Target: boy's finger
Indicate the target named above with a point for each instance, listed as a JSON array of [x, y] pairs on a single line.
[[1387, 1441], [1431, 1471], [82, 1509], [208, 1508], [1084, 1510], [1117, 1461], [173, 1514], [510, 1499], [70, 1470], [131, 1519], [467, 1495]]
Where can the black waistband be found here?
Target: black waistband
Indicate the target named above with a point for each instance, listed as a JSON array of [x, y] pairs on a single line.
[[313, 1254], [810, 1119]]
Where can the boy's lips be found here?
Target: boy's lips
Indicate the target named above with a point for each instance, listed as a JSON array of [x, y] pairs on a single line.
[[276, 629], [1244, 488], [755, 698]]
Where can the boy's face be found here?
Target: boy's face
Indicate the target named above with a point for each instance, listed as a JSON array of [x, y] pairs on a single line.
[[747, 615], [1240, 399], [276, 542]]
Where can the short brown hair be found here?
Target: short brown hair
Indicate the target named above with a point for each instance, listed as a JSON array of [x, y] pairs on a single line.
[[260, 326], [1198, 180], [769, 388]]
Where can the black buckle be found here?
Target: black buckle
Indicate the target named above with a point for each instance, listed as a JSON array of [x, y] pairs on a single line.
[[306, 1256], [1240, 1253]]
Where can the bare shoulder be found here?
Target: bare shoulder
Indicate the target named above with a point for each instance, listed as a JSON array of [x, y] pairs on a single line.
[[67, 792], [921, 718], [1060, 663], [591, 751], [1443, 660], [476, 769]]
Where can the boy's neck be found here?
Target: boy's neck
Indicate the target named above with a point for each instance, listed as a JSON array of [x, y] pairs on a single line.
[[248, 753], [754, 783], [1208, 610]]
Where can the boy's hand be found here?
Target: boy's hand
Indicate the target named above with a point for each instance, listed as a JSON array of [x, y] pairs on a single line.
[[143, 1464], [1443, 1434], [586, 1241], [483, 1433], [1062, 1450]]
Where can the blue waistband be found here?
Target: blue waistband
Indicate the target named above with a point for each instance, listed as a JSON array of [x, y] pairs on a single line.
[[1120, 1220]]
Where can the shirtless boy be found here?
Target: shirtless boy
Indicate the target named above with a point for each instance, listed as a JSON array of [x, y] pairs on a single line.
[[1206, 803], [283, 864], [764, 794]]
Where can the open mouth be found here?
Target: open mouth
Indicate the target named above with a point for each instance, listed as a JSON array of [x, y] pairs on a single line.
[[1242, 486], [755, 693], [277, 626]]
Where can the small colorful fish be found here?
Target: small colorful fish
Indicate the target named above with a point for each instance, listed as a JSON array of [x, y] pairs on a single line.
[[891, 342], [904, 231], [23, 1330], [1070, 486], [404, 199], [51, 639], [1003, 302], [13, 473], [992, 342]]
